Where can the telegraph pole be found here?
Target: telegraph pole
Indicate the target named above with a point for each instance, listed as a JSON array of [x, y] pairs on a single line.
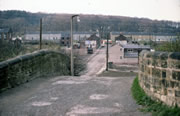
[[72, 60], [40, 41], [72, 63], [107, 53]]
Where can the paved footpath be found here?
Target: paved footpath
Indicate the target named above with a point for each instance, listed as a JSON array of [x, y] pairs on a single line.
[[87, 95]]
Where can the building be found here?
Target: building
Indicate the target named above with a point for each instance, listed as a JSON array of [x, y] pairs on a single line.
[[104, 42], [132, 50], [46, 36], [121, 39], [142, 36], [6, 33], [65, 39], [125, 54], [57, 36], [82, 36], [93, 41]]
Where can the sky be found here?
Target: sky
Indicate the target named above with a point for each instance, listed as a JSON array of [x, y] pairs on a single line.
[[153, 9]]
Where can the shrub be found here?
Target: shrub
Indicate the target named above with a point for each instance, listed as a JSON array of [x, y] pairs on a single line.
[[173, 46], [157, 108]]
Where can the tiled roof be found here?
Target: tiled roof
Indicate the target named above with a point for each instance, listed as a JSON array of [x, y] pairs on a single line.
[[59, 32], [143, 33], [121, 37], [135, 46], [5, 30], [93, 37]]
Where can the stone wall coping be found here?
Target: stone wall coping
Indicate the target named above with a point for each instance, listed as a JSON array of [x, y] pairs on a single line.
[[25, 57], [160, 55]]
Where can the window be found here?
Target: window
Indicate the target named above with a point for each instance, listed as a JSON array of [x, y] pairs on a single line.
[[130, 50], [120, 49], [120, 57]]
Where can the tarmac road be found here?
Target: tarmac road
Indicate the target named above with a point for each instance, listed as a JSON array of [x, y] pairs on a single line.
[[87, 95]]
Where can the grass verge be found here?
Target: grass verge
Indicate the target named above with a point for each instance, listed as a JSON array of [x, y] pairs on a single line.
[[156, 108]]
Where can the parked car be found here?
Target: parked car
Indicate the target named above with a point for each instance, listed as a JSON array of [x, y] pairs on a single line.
[[90, 50]]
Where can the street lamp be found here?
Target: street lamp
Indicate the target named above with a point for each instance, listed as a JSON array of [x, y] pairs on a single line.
[[107, 49], [72, 62]]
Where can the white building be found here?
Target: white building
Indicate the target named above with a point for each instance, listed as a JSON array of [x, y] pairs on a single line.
[[46, 36], [79, 36], [93, 41], [56, 36], [142, 36]]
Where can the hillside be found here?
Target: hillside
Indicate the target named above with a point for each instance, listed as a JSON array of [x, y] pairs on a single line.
[[21, 21]]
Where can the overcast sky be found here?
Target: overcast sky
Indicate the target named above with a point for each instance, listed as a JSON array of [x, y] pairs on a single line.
[[153, 9]]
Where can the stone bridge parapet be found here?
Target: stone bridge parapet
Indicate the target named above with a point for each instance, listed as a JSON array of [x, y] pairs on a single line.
[[24, 68], [159, 76]]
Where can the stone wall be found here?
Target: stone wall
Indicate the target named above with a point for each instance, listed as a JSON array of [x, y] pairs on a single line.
[[159, 76], [24, 68]]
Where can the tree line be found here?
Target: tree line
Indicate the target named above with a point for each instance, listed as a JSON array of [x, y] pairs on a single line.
[[22, 22]]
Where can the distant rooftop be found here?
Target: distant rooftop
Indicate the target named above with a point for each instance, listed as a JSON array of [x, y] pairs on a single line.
[[5, 30], [43, 32], [132, 46], [59, 32], [93, 37], [120, 37], [142, 33]]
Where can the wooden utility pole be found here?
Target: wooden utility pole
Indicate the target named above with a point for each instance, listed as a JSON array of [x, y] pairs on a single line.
[[107, 54], [40, 41], [72, 60]]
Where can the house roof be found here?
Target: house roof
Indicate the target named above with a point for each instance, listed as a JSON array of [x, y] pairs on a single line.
[[5, 30], [143, 33], [93, 37], [65, 34], [136, 46], [121, 37], [58, 32], [43, 32]]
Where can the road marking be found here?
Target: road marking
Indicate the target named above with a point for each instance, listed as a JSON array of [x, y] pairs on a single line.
[[68, 82], [54, 98], [118, 105], [41, 103], [98, 97], [81, 109]]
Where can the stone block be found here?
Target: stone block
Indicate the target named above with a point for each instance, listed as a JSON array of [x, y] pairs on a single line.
[[163, 64], [177, 93], [156, 72], [164, 55], [163, 83], [163, 91], [163, 98], [175, 55], [156, 55], [170, 101], [176, 75], [174, 64], [171, 93]]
